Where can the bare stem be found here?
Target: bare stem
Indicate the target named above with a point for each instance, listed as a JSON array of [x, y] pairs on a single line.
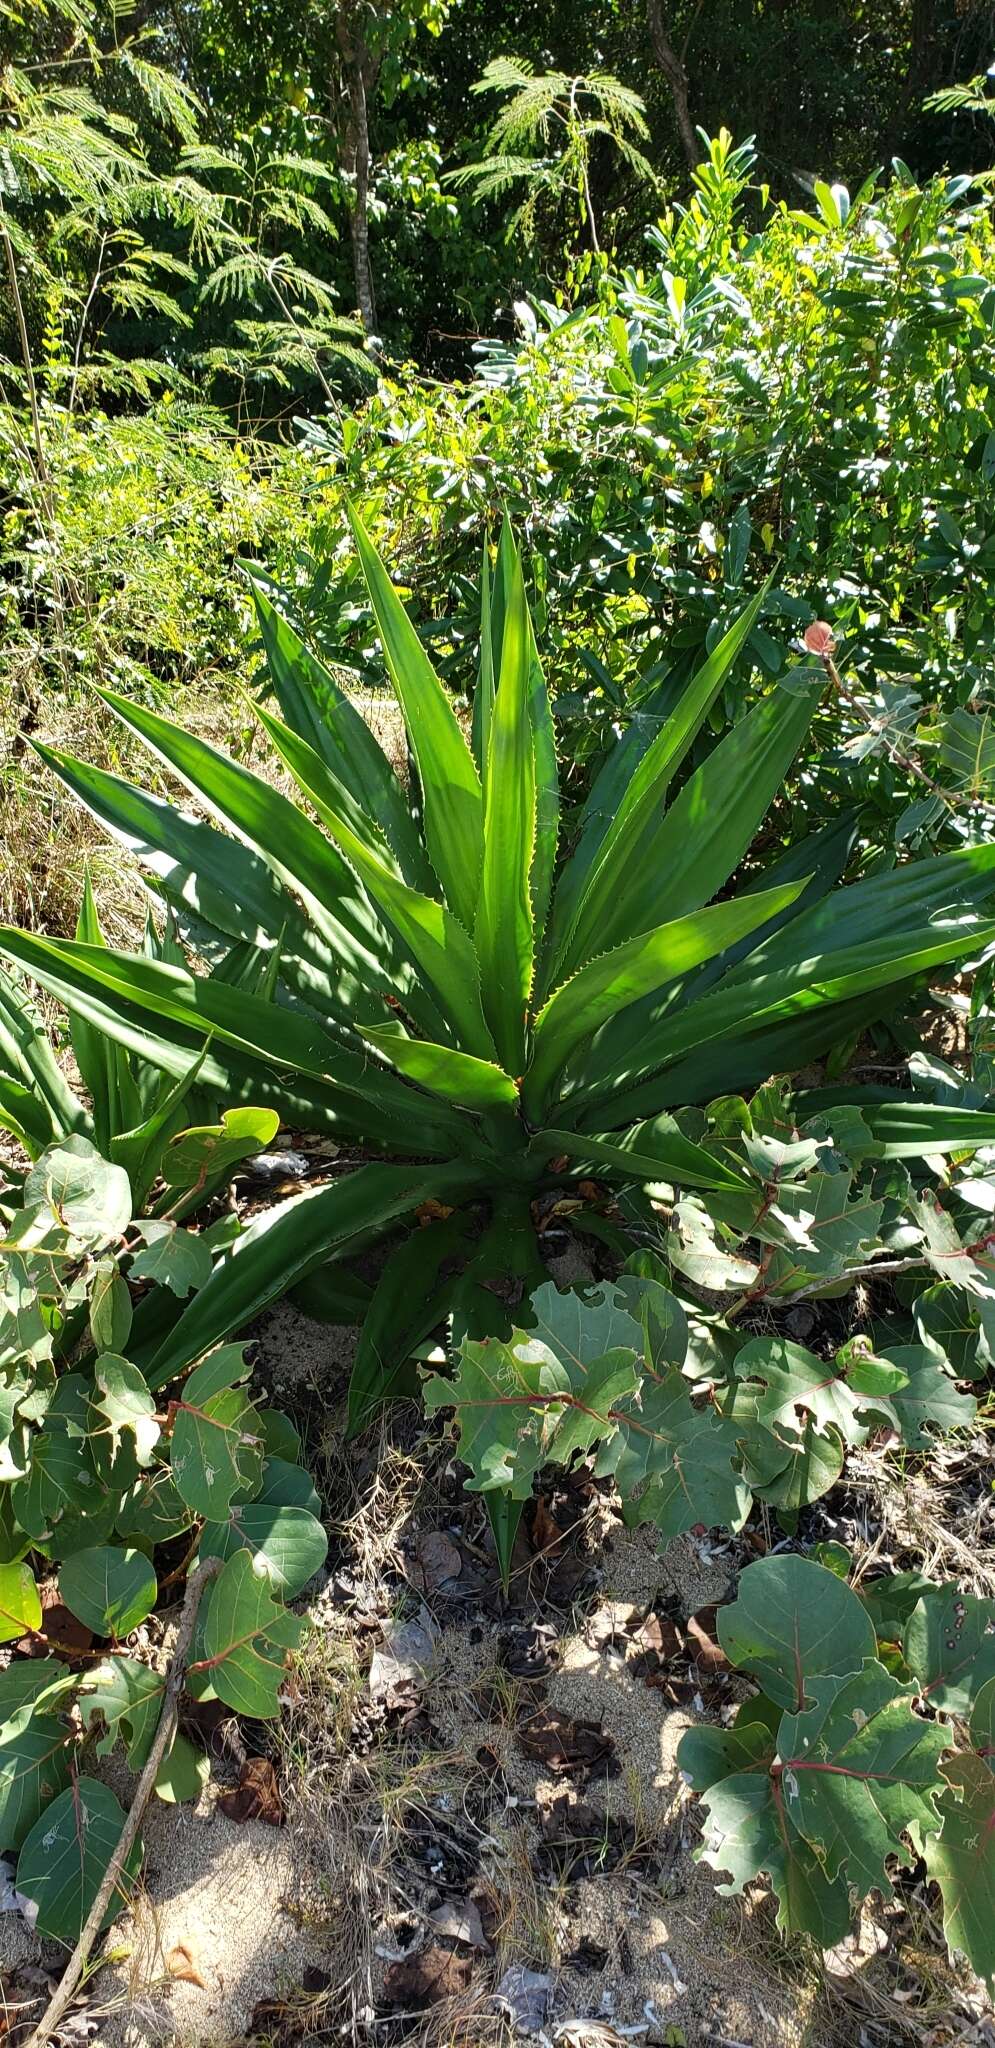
[[76, 1965]]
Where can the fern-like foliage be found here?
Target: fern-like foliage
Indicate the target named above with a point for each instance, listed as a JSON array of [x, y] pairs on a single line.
[[543, 134], [974, 96]]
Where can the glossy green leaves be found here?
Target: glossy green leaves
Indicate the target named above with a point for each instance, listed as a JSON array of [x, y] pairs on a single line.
[[63, 1861], [841, 1765]]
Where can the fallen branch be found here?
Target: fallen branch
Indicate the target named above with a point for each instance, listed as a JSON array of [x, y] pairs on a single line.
[[77, 1963]]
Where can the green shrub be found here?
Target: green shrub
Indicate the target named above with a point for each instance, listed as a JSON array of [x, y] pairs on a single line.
[[94, 1479], [464, 992], [870, 1743]]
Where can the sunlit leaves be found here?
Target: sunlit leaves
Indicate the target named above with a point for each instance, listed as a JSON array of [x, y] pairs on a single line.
[[246, 1639], [216, 1448], [793, 1621]]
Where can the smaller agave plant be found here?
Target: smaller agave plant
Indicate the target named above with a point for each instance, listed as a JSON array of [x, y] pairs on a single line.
[[495, 1007]]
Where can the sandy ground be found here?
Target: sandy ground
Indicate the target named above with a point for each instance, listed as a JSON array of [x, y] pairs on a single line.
[[234, 1918]]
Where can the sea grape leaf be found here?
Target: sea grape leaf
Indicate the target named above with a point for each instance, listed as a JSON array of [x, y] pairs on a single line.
[[288, 1486], [34, 1767], [200, 1155], [111, 1590], [947, 1324], [126, 1697], [183, 1772], [858, 1767], [890, 1599], [543, 1394], [707, 1754], [793, 1621], [20, 1606], [584, 1323], [949, 1646], [982, 1725], [287, 1540], [89, 1197], [280, 1437], [961, 1859], [866, 1373], [152, 1512], [110, 1307], [216, 1447], [61, 1501], [61, 1490], [65, 1857], [27, 1681], [664, 1322], [941, 1244], [172, 1257], [25, 1333], [673, 1461], [246, 1639], [790, 1475], [787, 1382], [123, 1431], [819, 1228], [748, 1830], [694, 1248], [929, 1403]]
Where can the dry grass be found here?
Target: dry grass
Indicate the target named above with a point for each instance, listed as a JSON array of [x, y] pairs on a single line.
[[48, 840]]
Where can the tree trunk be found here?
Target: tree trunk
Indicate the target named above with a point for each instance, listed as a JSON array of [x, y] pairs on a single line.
[[360, 71], [360, 225], [672, 66]]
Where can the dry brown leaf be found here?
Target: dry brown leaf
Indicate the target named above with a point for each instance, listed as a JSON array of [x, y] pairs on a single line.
[[257, 1794], [545, 1532], [459, 1920], [563, 1745], [436, 1563], [703, 1643], [66, 1636], [183, 1963], [426, 1979]]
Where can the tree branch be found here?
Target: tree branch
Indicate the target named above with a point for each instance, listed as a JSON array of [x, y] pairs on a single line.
[[62, 1996], [672, 66]]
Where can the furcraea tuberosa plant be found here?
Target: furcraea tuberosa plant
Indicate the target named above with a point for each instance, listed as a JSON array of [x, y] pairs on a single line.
[[497, 1005]]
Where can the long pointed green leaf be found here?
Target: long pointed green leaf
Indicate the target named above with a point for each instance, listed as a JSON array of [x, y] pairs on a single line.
[[408, 1302], [321, 713], [295, 850], [483, 697], [331, 798], [748, 1059], [217, 879], [651, 1151], [504, 929], [27, 1056], [25, 1117], [104, 1067], [456, 1076], [284, 1245], [259, 1052], [792, 991], [611, 843], [434, 941], [909, 1129], [606, 986], [922, 900], [547, 789], [450, 783], [820, 857], [691, 852]]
